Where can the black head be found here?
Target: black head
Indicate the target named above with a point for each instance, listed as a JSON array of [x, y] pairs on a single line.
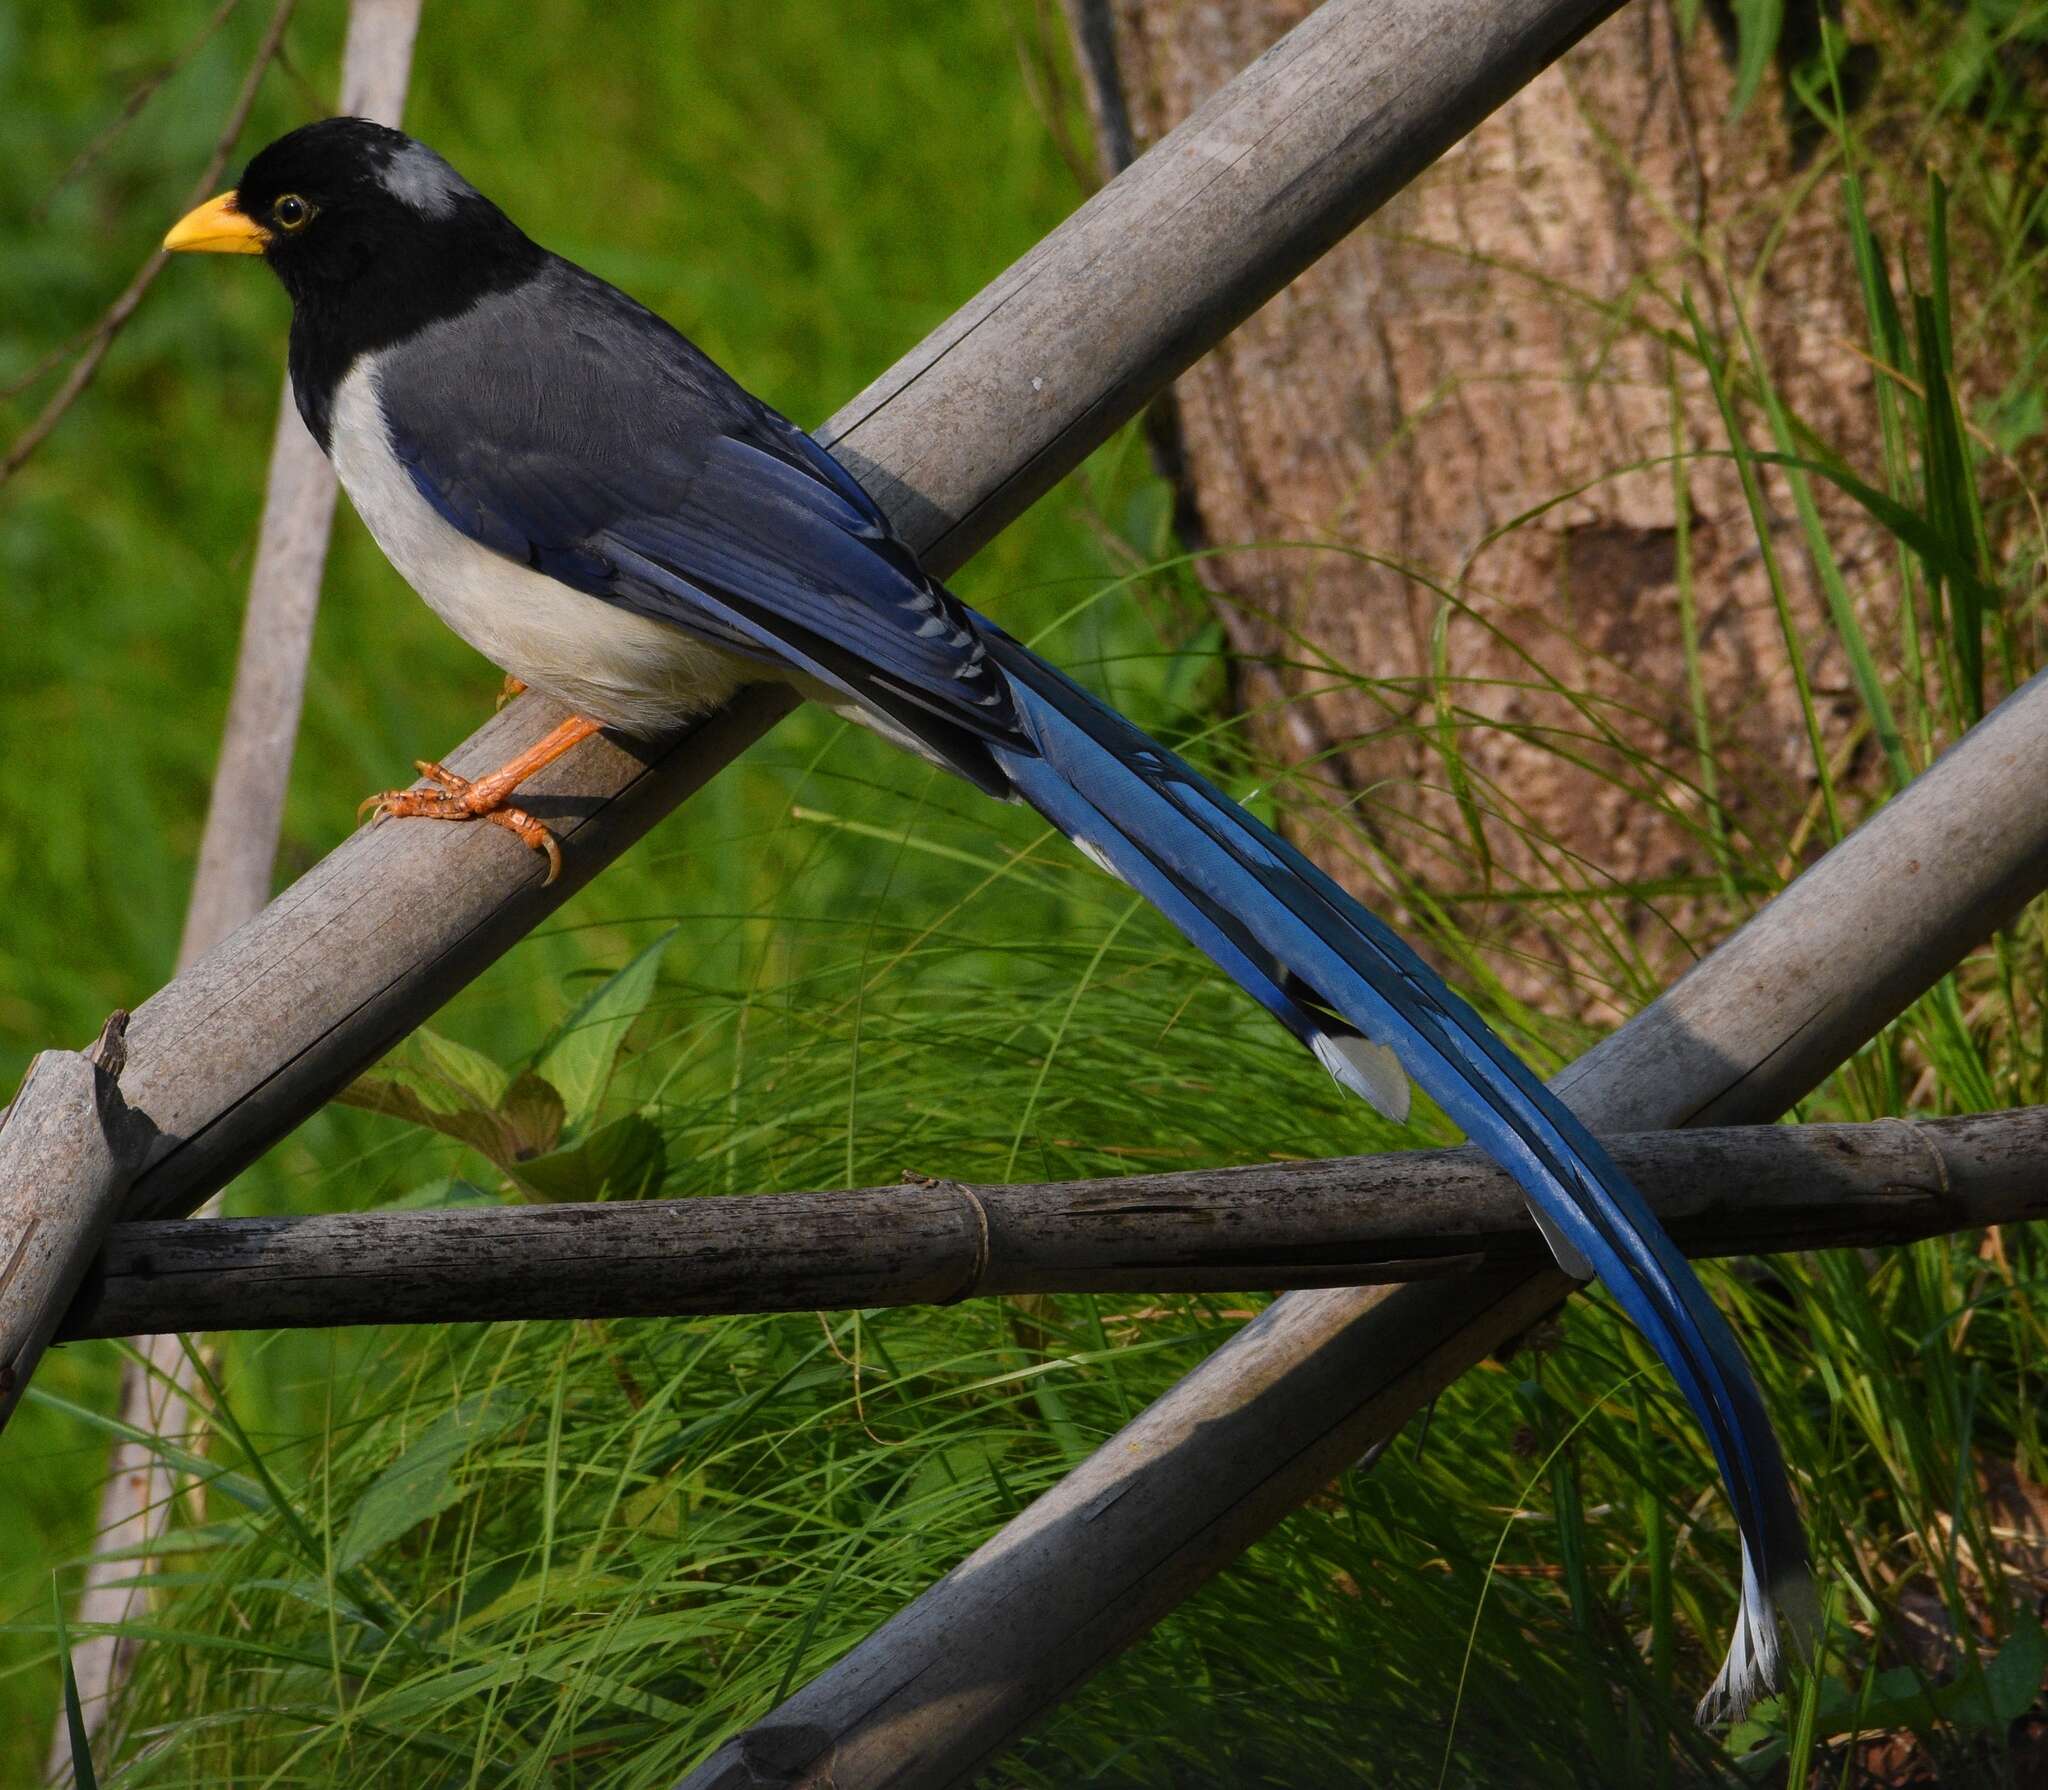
[[373, 235], [350, 209]]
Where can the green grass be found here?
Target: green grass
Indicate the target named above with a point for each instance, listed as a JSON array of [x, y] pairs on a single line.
[[579, 1554]]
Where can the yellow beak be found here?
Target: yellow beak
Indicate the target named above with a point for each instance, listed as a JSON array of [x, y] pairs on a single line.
[[217, 228]]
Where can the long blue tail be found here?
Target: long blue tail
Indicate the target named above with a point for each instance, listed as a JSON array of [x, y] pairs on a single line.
[[1359, 998]]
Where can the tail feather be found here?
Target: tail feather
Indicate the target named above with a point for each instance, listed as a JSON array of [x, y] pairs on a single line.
[[1354, 994]]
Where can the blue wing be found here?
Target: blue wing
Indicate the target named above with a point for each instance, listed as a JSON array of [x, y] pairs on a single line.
[[615, 457]]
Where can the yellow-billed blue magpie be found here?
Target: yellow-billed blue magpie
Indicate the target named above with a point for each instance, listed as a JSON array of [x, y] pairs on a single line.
[[599, 509]]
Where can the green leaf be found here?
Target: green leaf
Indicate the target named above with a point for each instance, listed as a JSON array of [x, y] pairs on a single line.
[[625, 1160], [74, 1714], [1821, 554], [1908, 525], [396, 1098], [1189, 667], [421, 1482], [432, 1072], [1951, 501], [2013, 1679], [523, 1116], [238, 1487], [584, 1588], [579, 1058], [1987, 1699], [460, 1067], [2016, 416], [442, 1191], [532, 1116], [958, 1467], [1758, 25]]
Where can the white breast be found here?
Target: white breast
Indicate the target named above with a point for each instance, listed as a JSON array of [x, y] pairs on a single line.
[[638, 675]]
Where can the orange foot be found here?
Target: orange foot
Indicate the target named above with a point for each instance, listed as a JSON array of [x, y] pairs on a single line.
[[457, 798]]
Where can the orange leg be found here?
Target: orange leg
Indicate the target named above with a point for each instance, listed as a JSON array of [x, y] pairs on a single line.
[[458, 798], [511, 687]]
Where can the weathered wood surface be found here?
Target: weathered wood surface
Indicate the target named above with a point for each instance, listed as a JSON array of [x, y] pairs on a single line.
[[955, 440], [237, 859], [1498, 344], [238, 848], [1351, 1221], [1320, 1378], [245, 812], [68, 1148]]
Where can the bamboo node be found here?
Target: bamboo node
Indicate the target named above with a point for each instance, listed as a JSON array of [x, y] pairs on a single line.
[[979, 1271], [1926, 1138]]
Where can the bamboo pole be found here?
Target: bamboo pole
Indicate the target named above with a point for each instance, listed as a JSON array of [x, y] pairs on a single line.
[[1320, 1378], [237, 859], [70, 1145], [245, 812], [1361, 1220]]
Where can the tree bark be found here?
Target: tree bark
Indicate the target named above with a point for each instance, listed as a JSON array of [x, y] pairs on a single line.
[[1476, 398]]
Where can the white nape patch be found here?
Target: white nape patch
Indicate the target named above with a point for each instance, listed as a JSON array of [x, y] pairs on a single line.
[[631, 673], [1369, 1070], [1566, 1253], [423, 180]]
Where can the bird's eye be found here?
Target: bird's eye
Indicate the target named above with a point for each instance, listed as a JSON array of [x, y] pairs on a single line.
[[292, 212]]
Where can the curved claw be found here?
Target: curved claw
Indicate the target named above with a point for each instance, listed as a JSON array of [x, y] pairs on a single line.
[[456, 798], [532, 834]]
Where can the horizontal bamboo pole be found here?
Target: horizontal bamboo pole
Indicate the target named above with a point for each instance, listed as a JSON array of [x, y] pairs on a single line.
[[1353, 1221], [1320, 1378]]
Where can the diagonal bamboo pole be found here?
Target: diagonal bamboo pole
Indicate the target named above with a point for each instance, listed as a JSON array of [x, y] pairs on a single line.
[[245, 811], [68, 1116], [957, 439], [1320, 1378], [1351, 1221]]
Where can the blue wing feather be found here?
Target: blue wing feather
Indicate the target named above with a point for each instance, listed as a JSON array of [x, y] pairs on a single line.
[[668, 490]]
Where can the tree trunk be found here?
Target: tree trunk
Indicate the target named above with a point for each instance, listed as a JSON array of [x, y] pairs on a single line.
[[1480, 390]]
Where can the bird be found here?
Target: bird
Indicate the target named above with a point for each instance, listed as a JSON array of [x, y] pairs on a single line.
[[608, 516]]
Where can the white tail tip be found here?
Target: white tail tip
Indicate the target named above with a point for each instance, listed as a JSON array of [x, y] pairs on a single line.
[[1369, 1070], [1751, 1670]]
